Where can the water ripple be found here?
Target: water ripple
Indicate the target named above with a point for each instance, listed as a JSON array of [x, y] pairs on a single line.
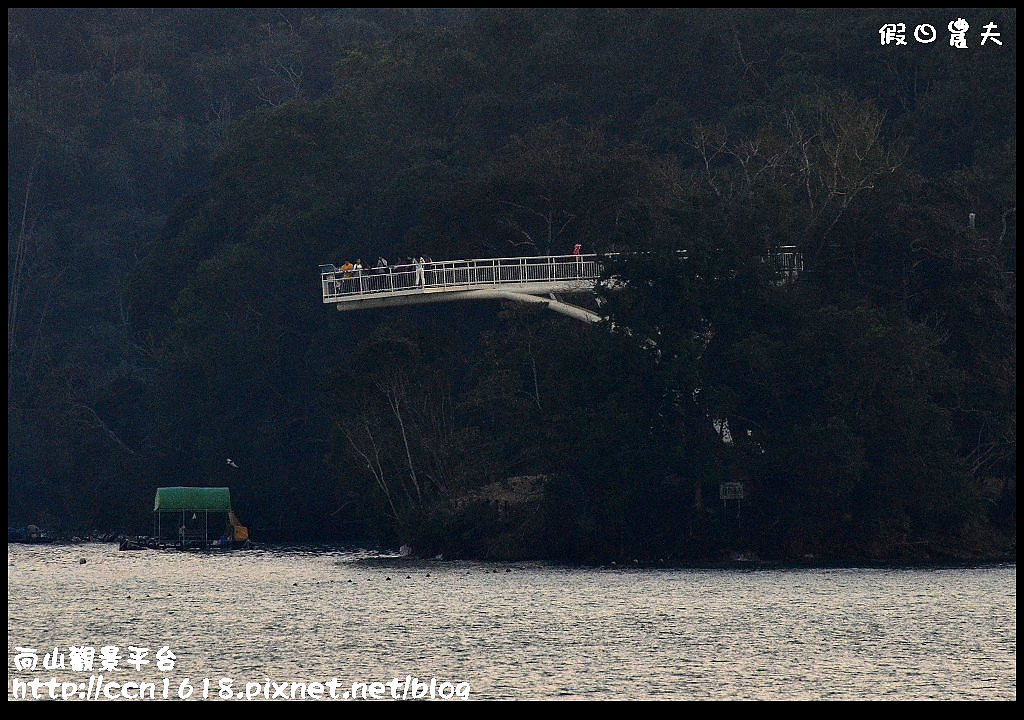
[[536, 631]]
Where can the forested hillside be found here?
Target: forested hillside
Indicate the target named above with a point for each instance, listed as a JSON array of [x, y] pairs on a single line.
[[175, 178]]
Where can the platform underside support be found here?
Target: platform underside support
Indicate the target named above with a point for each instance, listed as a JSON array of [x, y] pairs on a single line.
[[559, 306]]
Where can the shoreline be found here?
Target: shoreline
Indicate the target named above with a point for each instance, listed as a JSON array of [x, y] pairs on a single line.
[[385, 558]]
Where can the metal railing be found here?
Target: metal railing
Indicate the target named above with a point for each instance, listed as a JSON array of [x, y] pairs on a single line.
[[338, 283], [789, 261]]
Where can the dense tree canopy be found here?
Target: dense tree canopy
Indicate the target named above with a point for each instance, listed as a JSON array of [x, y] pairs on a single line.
[[175, 178]]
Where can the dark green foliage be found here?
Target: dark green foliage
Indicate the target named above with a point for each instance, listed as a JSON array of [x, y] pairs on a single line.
[[175, 177]]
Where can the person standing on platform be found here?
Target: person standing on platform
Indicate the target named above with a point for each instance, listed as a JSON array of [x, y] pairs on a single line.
[[420, 276], [346, 275], [358, 268]]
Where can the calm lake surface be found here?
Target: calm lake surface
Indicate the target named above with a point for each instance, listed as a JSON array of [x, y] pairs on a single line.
[[529, 630]]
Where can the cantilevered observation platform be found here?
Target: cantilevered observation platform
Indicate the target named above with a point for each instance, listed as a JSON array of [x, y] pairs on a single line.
[[524, 279], [535, 279]]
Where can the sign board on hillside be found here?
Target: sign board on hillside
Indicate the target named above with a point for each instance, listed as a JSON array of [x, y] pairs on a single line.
[[731, 491]]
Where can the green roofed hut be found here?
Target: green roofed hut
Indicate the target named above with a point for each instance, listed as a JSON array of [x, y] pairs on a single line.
[[189, 517]]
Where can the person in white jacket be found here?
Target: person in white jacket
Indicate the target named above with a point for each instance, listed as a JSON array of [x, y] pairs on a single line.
[[358, 267], [420, 276]]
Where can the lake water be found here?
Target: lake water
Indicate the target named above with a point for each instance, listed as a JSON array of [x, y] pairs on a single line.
[[527, 631]]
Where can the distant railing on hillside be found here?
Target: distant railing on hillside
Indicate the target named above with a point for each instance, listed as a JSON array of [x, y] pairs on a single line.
[[338, 283], [344, 284]]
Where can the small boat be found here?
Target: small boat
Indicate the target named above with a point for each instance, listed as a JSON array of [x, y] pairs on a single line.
[[197, 518]]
